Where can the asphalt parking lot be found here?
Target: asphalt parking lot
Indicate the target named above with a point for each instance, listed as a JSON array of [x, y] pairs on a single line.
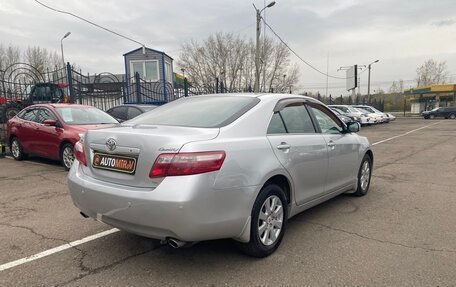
[[402, 233]]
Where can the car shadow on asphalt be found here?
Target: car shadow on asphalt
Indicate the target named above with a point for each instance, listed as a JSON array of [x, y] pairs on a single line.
[[209, 251], [40, 160]]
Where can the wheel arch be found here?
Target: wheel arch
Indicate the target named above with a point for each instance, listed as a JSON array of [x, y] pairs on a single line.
[[282, 181], [371, 155], [62, 143], [277, 177], [10, 138]]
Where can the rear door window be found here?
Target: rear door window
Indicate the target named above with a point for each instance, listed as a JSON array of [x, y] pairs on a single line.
[[119, 113], [29, 115], [133, 112], [276, 126], [293, 119]]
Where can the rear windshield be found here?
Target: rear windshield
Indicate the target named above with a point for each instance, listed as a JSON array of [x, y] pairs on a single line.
[[198, 111], [343, 109], [85, 116], [369, 109]]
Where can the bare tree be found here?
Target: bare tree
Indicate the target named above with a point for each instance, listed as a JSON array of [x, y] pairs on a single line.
[[231, 60], [9, 56], [397, 87], [431, 73]]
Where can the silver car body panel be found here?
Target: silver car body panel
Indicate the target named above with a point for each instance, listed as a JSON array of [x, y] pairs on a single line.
[[217, 204], [306, 160]]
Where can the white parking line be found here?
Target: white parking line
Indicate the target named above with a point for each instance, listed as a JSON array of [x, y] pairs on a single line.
[[404, 134], [114, 230], [56, 249]]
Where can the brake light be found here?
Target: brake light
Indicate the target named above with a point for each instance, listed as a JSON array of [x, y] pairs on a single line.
[[174, 164], [79, 152]]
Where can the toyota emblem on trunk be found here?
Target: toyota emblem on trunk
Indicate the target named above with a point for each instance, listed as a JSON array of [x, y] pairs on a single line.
[[111, 144]]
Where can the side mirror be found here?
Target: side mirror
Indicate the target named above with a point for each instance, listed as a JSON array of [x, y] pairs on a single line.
[[353, 127], [50, 123]]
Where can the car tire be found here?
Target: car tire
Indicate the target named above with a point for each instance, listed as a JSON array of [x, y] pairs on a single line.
[[269, 216], [452, 116], [67, 156], [17, 150], [364, 176]]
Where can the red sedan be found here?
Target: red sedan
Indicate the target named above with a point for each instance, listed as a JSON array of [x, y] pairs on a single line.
[[51, 130]]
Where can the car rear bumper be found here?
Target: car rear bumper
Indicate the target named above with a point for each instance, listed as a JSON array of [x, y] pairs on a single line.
[[185, 207]]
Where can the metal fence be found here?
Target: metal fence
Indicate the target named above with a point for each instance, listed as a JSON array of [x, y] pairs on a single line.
[[18, 84], [357, 100], [17, 80], [104, 90]]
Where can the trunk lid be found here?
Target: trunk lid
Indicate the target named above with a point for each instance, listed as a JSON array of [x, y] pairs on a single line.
[[143, 142]]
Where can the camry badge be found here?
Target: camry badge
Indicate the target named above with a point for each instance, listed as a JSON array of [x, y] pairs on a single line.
[[111, 144]]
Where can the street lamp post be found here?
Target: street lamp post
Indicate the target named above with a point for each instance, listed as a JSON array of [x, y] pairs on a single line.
[[257, 47], [369, 81], [61, 47]]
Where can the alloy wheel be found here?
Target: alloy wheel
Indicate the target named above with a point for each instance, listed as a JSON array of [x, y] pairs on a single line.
[[365, 175], [68, 157], [270, 220], [15, 149]]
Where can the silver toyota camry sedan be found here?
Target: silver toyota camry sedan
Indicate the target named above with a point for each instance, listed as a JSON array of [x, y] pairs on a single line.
[[219, 166]]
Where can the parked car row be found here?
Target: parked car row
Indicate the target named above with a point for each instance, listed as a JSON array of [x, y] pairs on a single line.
[[365, 115], [52, 130]]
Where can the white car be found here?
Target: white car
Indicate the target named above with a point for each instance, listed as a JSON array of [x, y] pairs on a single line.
[[380, 116], [391, 117], [350, 111]]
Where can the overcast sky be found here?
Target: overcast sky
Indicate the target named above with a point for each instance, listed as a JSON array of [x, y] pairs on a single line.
[[402, 34]]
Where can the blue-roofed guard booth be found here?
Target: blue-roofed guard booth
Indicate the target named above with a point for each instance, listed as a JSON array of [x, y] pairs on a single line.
[[149, 77]]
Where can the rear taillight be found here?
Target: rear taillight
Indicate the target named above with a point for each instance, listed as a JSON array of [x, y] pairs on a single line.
[[79, 152], [173, 164]]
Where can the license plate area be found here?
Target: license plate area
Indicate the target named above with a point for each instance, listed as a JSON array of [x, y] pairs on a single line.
[[116, 163]]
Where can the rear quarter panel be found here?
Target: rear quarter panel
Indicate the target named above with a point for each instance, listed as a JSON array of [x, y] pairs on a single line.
[[250, 160]]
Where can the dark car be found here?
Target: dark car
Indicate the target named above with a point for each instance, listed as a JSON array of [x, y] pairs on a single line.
[[51, 130], [345, 118], [127, 112], [447, 113]]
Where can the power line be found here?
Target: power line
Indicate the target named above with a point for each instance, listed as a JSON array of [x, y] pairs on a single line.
[[321, 85], [300, 58], [90, 22]]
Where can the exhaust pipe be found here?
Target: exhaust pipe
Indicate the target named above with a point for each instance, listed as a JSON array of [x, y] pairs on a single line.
[[175, 243]]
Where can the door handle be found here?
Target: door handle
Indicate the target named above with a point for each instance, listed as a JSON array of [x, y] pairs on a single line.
[[331, 143], [283, 146]]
